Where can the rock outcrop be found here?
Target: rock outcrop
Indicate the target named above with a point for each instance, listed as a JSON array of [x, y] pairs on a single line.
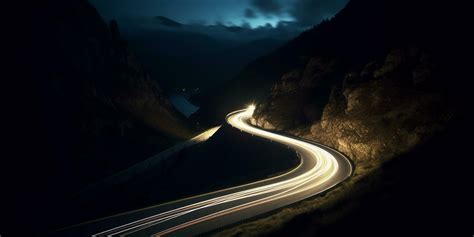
[[376, 111], [372, 100]]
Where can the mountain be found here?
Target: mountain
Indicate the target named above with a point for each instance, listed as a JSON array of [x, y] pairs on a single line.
[[183, 58], [353, 36], [233, 29], [167, 22], [196, 55], [384, 83], [85, 108], [376, 95]]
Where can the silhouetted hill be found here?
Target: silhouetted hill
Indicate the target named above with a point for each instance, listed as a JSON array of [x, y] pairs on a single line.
[[167, 22], [84, 108], [181, 58], [235, 28]]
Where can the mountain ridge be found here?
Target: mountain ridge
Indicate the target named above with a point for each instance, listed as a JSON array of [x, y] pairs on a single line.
[[359, 35], [167, 21]]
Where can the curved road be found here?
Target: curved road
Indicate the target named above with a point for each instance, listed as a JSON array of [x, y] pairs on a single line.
[[320, 169]]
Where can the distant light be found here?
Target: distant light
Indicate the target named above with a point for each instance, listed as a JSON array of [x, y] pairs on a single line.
[[251, 107]]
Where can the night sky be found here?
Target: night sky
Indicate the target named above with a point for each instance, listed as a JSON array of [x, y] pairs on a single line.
[[249, 13]]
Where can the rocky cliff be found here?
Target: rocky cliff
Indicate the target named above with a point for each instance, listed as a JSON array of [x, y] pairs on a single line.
[[370, 112], [369, 82]]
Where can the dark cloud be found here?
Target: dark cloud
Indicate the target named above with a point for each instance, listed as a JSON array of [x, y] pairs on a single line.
[[251, 20], [311, 12], [267, 7], [244, 32], [249, 13]]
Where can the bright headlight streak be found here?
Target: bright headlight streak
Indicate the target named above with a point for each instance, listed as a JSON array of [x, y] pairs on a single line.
[[324, 167]]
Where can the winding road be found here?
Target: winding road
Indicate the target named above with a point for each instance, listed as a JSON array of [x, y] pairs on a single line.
[[320, 169]]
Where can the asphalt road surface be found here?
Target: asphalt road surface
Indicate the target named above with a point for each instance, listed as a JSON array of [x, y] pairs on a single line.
[[320, 169]]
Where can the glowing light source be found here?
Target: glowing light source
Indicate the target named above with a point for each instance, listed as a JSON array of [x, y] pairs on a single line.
[[251, 107]]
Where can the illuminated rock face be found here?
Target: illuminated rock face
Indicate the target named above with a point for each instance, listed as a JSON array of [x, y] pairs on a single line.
[[371, 113], [366, 81], [291, 100]]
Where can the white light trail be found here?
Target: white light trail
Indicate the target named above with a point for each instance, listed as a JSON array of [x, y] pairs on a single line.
[[319, 170]]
